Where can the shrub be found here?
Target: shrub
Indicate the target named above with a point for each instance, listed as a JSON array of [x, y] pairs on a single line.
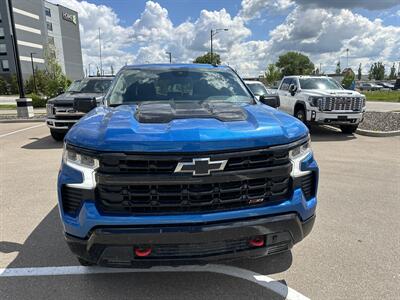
[[38, 101]]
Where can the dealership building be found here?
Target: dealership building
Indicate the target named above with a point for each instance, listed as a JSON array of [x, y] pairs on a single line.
[[44, 31]]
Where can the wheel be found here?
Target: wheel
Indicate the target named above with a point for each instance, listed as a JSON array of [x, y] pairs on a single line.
[[348, 129], [301, 115], [85, 263], [57, 135]]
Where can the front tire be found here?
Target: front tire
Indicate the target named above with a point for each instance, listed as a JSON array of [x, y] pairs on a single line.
[[57, 135], [301, 115], [348, 129]]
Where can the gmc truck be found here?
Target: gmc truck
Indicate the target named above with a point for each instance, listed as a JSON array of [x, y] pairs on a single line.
[[182, 164], [321, 100], [61, 114]]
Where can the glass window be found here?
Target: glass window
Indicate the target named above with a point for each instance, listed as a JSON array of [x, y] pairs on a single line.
[[257, 88], [91, 85], [49, 26], [319, 84], [51, 40], [5, 65], [3, 49], [47, 11], [285, 84], [178, 84], [1, 33]]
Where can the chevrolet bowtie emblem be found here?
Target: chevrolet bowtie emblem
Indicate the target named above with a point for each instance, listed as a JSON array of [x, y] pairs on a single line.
[[200, 166]]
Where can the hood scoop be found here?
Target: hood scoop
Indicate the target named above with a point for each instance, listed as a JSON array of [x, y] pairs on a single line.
[[167, 111]]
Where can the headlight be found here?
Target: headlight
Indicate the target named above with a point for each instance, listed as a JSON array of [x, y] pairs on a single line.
[[50, 109], [315, 101], [297, 155], [84, 163]]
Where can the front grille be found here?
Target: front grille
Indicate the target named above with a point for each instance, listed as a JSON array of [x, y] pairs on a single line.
[[308, 185], [341, 103], [138, 164], [199, 249], [192, 197], [71, 199]]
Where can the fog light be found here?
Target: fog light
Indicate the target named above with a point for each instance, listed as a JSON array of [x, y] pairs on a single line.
[[142, 251], [257, 242]]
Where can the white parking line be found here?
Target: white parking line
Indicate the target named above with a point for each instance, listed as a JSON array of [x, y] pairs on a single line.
[[19, 130], [262, 280]]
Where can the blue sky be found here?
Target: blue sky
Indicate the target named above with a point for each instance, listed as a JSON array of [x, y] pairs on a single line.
[[137, 31]]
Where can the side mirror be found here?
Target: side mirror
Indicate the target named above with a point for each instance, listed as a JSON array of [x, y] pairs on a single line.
[[292, 89], [270, 100], [84, 104]]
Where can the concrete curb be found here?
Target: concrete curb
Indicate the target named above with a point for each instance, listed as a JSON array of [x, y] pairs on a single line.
[[378, 133], [21, 120]]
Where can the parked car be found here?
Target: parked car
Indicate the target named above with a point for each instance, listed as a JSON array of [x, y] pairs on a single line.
[[386, 85], [183, 165], [397, 84], [321, 100], [258, 88], [61, 114], [365, 86]]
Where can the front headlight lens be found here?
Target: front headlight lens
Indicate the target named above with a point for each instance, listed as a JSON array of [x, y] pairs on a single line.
[[315, 101], [297, 155], [73, 157], [50, 109]]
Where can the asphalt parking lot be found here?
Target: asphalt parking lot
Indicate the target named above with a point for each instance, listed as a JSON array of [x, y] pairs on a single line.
[[352, 253]]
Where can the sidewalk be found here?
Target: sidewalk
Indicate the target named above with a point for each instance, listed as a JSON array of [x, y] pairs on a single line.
[[382, 106]]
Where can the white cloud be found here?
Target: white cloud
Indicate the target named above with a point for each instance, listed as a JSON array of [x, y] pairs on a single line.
[[322, 33]]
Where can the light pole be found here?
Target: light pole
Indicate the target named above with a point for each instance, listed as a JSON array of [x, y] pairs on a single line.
[[24, 105], [33, 72], [347, 57], [89, 69], [212, 34], [170, 56], [101, 62]]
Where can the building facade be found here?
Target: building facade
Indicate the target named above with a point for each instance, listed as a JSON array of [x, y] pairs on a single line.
[[43, 30]]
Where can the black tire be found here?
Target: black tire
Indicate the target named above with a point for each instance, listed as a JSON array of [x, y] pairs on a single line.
[[348, 129], [85, 263], [301, 115], [57, 135]]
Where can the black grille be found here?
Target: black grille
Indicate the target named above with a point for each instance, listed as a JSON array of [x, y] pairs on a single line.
[[308, 185], [139, 164], [199, 249], [194, 197], [71, 199]]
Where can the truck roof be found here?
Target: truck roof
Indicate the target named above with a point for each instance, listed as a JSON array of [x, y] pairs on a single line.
[[305, 76], [169, 66]]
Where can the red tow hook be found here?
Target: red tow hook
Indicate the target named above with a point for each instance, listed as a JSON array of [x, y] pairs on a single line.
[[257, 242], [143, 251]]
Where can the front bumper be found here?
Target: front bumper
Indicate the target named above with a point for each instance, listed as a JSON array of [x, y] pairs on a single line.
[[188, 243], [60, 124], [335, 117]]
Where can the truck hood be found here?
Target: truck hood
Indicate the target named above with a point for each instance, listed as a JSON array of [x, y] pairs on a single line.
[[69, 97], [118, 130], [327, 93]]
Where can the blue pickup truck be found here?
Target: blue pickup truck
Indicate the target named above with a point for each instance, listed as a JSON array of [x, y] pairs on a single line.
[[182, 164]]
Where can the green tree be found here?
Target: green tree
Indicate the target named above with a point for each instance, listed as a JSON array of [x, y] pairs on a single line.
[[348, 79], [272, 74], [378, 71], [57, 81], [3, 86], [359, 72], [392, 72], [294, 63], [206, 59], [14, 85], [338, 69]]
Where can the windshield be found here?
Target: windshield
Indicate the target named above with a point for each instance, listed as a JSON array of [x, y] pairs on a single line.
[[90, 85], [257, 88], [136, 85], [319, 84], [74, 86]]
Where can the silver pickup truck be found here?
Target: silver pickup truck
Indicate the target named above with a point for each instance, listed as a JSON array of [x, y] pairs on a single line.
[[61, 114]]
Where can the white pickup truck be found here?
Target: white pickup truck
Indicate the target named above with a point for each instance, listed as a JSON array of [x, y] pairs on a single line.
[[321, 100]]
